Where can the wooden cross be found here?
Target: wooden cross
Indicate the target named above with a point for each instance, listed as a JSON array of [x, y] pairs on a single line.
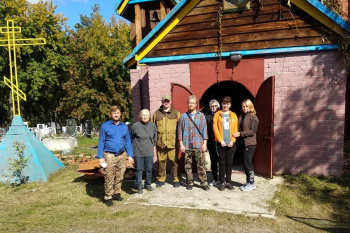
[[11, 42]]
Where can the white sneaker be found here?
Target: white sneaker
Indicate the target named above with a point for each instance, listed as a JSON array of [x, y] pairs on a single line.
[[243, 185], [248, 187], [212, 183]]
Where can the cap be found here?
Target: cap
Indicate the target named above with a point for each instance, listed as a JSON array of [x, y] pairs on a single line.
[[166, 97]]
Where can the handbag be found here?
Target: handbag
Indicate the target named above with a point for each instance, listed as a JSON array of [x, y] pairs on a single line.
[[207, 161]]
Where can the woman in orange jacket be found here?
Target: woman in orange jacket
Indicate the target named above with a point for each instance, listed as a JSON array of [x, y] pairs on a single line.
[[225, 124]]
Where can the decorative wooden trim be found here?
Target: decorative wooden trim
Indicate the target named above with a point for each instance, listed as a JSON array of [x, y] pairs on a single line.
[[122, 7], [244, 53], [167, 29], [324, 15], [138, 24], [156, 30]]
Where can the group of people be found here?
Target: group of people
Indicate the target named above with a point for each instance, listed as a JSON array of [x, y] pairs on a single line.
[[192, 133]]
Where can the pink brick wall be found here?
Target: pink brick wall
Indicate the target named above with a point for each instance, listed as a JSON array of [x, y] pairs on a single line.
[[160, 78], [140, 98], [309, 112]]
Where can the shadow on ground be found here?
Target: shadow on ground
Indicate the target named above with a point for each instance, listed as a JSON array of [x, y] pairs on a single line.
[[323, 224]]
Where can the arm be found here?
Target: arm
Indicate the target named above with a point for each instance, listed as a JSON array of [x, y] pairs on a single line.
[[204, 133], [179, 135], [128, 145], [216, 128], [101, 145], [253, 127]]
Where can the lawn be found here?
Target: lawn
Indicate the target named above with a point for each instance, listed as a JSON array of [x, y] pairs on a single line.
[[68, 203]]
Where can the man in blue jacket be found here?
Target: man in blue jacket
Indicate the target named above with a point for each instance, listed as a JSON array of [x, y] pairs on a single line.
[[114, 146]]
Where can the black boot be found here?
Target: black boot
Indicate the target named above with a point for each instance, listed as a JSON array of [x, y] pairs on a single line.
[[117, 197]]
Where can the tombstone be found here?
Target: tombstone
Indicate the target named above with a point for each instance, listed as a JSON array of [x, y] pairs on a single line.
[[58, 128], [70, 130], [87, 126]]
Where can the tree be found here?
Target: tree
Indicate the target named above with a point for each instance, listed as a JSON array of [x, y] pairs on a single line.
[[97, 77], [41, 69]]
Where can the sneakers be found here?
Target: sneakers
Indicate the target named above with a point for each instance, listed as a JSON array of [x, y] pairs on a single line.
[[117, 197], [229, 186], [205, 187], [212, 183], [109, 202], [243, 185], [149, 188], [248, 187], [160, 184], [176, 184], [221, 187], [189, 187], [139, 191]]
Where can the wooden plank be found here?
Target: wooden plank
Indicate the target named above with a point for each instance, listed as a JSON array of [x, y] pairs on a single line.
[[237, 22], [138, 24], [91, 165], [162, 9], [237, 46], [249, 37], [211, 33]]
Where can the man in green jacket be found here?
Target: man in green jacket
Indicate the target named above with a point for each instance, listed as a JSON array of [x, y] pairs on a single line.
[[165, 119]]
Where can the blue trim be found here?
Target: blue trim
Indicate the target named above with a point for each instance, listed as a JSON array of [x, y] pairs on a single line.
[[156, 29], [330, 14], [117, 5], [131, 2], [244, 53]]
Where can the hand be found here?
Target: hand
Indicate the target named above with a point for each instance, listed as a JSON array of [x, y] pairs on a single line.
[[182, 149], [204, 148], [223, 144], [236, 134], [230, 144], [101, 162], [131, 160]]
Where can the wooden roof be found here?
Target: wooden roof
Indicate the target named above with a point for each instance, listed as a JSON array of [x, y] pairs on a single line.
[[190, 31]]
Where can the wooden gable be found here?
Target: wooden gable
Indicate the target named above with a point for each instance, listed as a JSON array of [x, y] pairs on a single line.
[[271, 25]]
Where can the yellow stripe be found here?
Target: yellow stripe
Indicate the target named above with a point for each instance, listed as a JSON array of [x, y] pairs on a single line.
[[167, 29], [122, 7], [314, 12], [130, 63]]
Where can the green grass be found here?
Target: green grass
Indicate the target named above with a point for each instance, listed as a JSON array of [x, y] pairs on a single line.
[[68, 203], [86, 146]]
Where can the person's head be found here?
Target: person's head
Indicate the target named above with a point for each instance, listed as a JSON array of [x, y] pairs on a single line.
[[248, 106], [226, 103], [214, 105], [145, 115], [115, 113], [192, 103], [166, 102]]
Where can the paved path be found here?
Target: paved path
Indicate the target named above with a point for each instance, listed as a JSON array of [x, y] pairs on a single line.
[[253, 203]]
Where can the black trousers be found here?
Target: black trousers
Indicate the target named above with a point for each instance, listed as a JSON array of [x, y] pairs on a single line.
[[225, 162], [248, 154], [214, 158]]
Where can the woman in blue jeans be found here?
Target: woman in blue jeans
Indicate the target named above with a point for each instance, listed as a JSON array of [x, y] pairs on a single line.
[[144, 137]]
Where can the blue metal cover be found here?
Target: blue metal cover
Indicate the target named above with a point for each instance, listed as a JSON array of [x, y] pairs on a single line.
[[41, 161]]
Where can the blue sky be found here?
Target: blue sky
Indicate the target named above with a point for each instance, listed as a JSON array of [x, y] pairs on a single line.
[[72, 9]]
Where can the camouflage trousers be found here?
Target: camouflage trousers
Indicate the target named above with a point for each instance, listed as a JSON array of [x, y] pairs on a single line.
[[199, 157], [114, 174]]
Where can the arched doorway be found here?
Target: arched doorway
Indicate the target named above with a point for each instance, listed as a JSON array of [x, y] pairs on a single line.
[[234, 89], [238, 93]]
